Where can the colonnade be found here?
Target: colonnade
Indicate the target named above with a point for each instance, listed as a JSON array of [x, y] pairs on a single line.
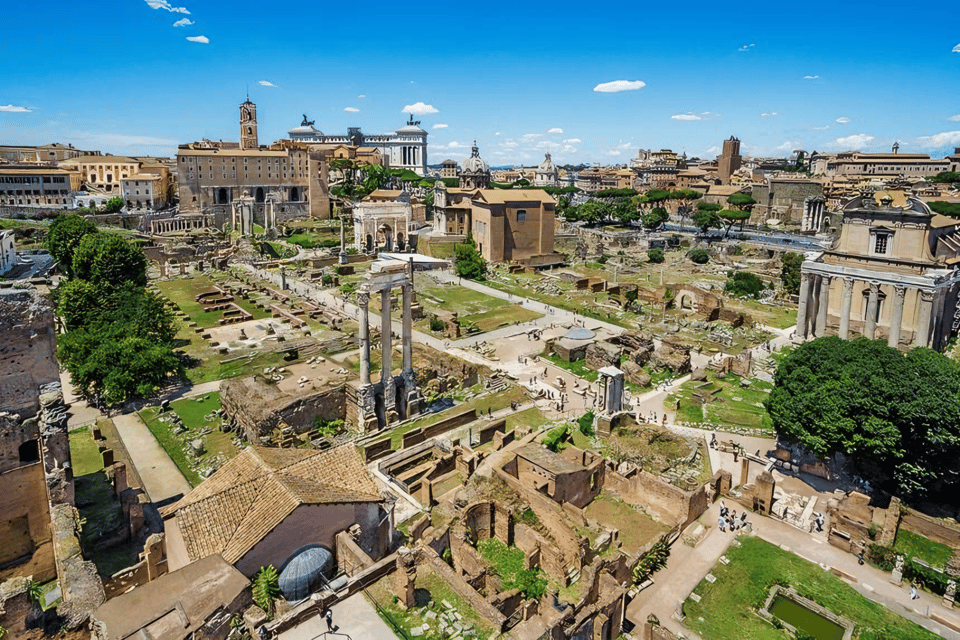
[[814, 304], [177, 223], [363, 301]]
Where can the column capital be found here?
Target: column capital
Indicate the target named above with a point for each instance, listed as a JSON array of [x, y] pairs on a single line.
[[926, 295], [363, 299], [874, 286], [827, 278], [900, 290]]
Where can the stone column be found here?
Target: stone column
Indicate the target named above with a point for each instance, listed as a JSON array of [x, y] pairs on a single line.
[[894, 338], [363, 300], [845, 308], [407, 337], [870, 318], [385, 328], [343, 239], [823, 305], [922, 338], [802, 308]]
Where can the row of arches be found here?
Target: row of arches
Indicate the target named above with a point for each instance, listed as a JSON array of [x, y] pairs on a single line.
[[223, 195]]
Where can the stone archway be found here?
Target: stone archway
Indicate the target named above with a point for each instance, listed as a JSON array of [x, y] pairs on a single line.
[[369, 242], [386, 232], [686, 302], [259, 195], [401, 242]]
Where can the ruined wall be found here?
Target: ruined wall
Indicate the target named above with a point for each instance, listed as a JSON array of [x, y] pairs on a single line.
[[25, 537], [351, 559], [329, 404], [672, 504], [27, 348], [428, 363]]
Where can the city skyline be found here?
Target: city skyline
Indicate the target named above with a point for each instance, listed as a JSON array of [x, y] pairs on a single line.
[[589, 88]]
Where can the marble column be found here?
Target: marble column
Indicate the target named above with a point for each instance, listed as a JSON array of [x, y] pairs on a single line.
[[845, 308], [385, 343], [897, 319], [803, 306], [407, 337], [363, 300], [922, 338], [870, 318], [823, 306], [343, 240]]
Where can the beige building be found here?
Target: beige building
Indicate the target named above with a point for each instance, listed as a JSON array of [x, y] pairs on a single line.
[[892, 274], [894, 164], [730, 160], [449, 169], [25, 186], [55, 152], [144, 191], [104, 173]]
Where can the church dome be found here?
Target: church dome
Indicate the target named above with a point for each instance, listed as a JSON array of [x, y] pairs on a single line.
[[303, 571], [547, 166], [475, 164]]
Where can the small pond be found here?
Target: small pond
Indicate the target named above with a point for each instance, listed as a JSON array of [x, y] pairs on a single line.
[[799, 617]]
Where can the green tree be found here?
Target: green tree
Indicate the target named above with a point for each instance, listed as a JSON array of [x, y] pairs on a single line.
[[686, 197], [64, 236], [946, 177], [730, 217], [266, 588], [631, 295], [107, 260], [585, 423], [114, 205], [742, 201], [657, 217], [896, 415], [744, 283], [790, 272], [468, 261], [655, 256], [530, 583], [593, 212], [704, 220], [951, 209], [653, 560], [699, 256]]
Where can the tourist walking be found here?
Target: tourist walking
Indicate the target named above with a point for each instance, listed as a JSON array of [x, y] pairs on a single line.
[[722, 523]]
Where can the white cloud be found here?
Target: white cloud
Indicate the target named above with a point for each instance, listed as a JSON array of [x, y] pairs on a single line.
[[200, 39], [746, 47], [555, 130], [768, 115], [12, 108], [361, 96], [810, 77], [119, 141], [843, 120], [786, 146], [956, 49], [529, 137], [945, 139], [572, 140], [821, 128], [856, 140], [686, 116], [497, 133], [352, 109], [619, 85], [955, 118], [419, 109], [166, 6], [267, 83], [185, 22], [713, 149], [440, 126]]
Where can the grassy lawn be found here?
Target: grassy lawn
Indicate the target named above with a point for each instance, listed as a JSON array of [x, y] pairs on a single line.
[[182, 291], [577, 367], [84, 454], [636, 529], [913, 545], [732, 406], [474, 308], [193, 412], [530, 418], [429, 587], [726, 608]]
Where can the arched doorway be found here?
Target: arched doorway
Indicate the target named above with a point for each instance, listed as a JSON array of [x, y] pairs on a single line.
[[222, 197], [294, 194], [369, 243], [401, 245], [386, 232], [259, 195]]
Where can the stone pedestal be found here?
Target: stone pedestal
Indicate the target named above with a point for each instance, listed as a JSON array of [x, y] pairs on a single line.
[[406, 578], [896, 577]]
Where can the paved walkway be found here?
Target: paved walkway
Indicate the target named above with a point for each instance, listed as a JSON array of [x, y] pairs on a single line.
[[162, 479], [353, 618]]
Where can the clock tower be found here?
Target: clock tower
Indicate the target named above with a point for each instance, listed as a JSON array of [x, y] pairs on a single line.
[[248, 125]]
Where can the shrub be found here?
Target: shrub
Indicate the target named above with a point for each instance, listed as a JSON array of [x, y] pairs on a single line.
[[554, 438], [744, 283], [602, 259], [436, 324], [586, 424], [655, 256], [347, 288], [699, 256], [326, 280], [266, 588]]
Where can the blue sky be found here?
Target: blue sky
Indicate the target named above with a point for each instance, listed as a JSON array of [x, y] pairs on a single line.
[[521, 79]]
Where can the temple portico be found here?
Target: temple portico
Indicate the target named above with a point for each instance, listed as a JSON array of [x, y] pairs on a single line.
[[393, 397]]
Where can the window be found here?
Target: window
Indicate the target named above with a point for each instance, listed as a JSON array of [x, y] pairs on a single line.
[[521, 215], [881, 243]]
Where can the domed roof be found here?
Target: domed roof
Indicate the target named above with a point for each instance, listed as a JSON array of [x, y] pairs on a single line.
[[547, 165], [303, 572], [309, 130], [475, 164], [579, 333], [410, 129]]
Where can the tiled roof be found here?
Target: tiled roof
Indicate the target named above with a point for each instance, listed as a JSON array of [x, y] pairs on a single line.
[[246, 498]]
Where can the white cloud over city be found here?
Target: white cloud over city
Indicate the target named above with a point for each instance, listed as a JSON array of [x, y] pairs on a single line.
[[351, 109], [12, 108], [555, 130], [619, 85], [184, 22], [440, 126], [955, 118], [419, 109], [686, 116], [855, 141], [843, 120], [746, 47], [945, 139], [810, 77], [200, 39], [266, 83], [166, 6]]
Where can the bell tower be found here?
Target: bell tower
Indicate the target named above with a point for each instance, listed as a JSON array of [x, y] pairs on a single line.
[[248, 125]]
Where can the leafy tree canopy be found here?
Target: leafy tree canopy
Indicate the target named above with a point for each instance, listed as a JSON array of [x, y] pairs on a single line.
[[790, 272], [615, 193], [107, 260], [656, 218], [743, 283], [655, 256], [946, 176], [468, 260], [114, 205], [709, 206], [64, 237], [699, 256], [705, 220], [742, 201], [951, 209], [897, 415], [730, 217]]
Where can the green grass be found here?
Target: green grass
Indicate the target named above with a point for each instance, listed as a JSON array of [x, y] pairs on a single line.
[[577, 367], [530, 418], [726, 608], [84, 454], [913, 545], [733, 406], [192, 413], [505, 561], [182, 291], [100, 514]]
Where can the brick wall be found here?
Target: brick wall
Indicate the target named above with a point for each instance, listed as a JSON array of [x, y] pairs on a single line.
[[672, 504]]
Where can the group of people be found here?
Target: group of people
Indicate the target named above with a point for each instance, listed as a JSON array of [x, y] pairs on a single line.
[[729, 519]]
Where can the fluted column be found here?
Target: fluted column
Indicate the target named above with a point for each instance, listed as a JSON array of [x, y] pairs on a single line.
[[385, 328], [823, 306], [897, 319], [407, 337], [870, 319], [922, 338], [363, 301], [803, 306], [845, 308]]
